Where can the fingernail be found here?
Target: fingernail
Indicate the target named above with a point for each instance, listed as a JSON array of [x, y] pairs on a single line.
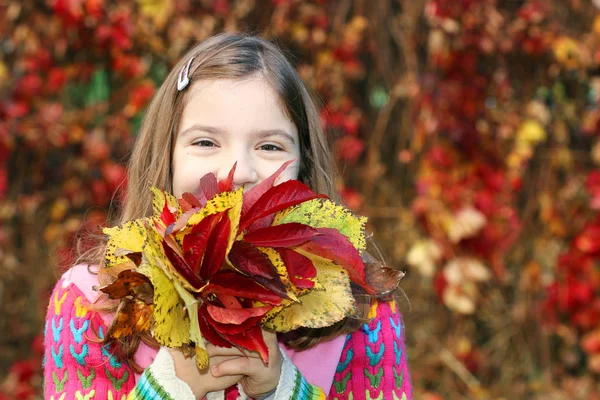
[[214, 370]]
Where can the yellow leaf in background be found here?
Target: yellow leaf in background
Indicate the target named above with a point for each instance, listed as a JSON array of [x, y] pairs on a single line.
[[171, 322], [158, 10], [317, 308], [320, 213], [531, 132], [125, 239], [158, 202], [567, 51]]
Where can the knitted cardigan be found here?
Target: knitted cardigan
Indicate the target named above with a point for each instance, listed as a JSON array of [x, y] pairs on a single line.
[[372, 365]]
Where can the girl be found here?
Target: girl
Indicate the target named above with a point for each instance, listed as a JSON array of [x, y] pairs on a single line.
[[231, 99]]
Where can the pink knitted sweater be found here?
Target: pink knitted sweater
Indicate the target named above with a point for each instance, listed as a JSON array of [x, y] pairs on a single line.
[[368, 364]]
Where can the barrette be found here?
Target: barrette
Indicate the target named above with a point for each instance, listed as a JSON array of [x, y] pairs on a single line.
[[183, 80]]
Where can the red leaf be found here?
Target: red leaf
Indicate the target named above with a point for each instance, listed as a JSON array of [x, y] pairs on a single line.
[[299, 268], [251, 261], [167, 216], [217, 243], [254, 194], [280, 197], [233, 329], [273, 284], [227, 184], [251, 340], [235, 315], [233, 283], [189, 201], [194, 243], [209, 186], [588, 241], [208, 332], [336, 247], [284, 235], [181, 266]]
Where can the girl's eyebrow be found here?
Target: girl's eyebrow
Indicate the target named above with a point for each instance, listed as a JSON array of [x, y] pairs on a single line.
[[267, 133], [262, 133]]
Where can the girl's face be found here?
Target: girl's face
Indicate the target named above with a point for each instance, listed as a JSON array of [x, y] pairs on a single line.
[[228, 121]]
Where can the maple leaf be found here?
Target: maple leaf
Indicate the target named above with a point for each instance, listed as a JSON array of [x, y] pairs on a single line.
[[125, 284], [132, 316]]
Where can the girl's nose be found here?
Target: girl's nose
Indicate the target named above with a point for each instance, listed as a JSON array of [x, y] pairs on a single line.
[[245, 173]]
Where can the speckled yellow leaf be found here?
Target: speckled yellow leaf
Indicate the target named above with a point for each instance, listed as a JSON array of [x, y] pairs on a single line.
[[171, 322], [191, 305], [275, 258], [123, 240], [323, 213], [155, 255], [158, 202], [317, 308]]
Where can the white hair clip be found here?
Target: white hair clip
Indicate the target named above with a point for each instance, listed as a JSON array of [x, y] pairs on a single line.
[[183, 80]]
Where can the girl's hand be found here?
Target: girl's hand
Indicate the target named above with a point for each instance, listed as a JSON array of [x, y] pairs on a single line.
[[259, 379], [202, 382]]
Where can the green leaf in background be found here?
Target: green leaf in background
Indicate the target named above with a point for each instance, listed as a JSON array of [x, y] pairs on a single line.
[[98, 89], [379, 97]]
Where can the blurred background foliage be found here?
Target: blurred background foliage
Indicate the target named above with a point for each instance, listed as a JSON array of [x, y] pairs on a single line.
[[467, 130]]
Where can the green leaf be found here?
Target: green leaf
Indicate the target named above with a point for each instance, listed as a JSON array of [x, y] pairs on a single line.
[[98, 91]]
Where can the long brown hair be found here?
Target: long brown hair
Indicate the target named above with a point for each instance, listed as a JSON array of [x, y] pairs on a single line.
[[227, 56]]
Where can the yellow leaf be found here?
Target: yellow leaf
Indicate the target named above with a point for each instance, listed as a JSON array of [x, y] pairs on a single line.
[[158, 202], [191, 305], [154, 254], [123, 240], [531, 132], [317, 308], [221, 202], [323, 213], [158, 10], [171, 322]]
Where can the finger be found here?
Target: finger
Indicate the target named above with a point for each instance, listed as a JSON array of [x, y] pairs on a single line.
[[214, 351], [237, 366]]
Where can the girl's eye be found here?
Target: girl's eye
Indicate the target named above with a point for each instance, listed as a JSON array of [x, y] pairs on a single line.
[[204, 143], [270, 147]]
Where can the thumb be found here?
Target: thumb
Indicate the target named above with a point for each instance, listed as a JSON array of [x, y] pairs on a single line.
[[234, 366]]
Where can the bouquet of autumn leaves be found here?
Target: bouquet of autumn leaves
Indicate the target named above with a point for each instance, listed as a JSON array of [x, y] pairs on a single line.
[[220, 264]]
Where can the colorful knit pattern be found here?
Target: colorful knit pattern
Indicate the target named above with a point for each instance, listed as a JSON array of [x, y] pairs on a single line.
[[305, 391], [77, 366], [373, 365], [148, 388]]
